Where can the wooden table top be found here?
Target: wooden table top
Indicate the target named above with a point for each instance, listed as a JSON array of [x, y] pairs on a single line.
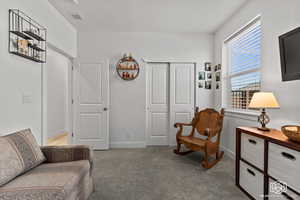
[[273, 135]]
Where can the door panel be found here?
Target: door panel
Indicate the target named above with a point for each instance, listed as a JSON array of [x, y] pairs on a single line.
[[90, 84], [91, 102], [159, 124], [89, 126], [181, 96], [158, 106], [182, 81]]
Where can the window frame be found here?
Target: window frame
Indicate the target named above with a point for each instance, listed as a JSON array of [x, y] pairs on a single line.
[[227, 92]]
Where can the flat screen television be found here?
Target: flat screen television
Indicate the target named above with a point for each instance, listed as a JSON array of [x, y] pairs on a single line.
[[290, 55]]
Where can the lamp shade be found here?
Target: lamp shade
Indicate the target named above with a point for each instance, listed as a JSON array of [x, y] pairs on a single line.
[[263, 100]]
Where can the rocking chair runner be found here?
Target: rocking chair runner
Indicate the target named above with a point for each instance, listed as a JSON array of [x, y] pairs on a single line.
[[207, 123]]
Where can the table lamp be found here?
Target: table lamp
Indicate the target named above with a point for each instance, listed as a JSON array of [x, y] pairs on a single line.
[[263, 100]]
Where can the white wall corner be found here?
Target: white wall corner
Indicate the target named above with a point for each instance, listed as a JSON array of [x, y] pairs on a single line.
[[228, 152]]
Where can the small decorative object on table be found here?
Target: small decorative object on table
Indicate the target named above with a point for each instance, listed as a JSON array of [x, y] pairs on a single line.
[[292, 132], [128, 68], [263, 100]]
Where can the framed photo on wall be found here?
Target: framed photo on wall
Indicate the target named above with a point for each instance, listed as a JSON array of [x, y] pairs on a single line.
[[200, 85], [218, 76], [208, 85], [209, 76], [201, 76], [207, 66]]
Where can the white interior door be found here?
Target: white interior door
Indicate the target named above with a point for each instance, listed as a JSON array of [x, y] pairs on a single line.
[[158, 104], [91, 104], [182, 97]]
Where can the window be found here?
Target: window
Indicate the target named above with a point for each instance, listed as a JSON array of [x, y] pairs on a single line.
[[244, 62]]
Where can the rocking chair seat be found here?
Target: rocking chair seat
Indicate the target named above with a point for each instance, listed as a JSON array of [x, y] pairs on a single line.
[[192, 140]]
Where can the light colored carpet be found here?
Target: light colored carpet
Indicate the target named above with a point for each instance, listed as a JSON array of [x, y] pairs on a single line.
[[156, 173]]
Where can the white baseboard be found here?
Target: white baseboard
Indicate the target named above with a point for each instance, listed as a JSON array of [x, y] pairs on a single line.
[[138, 144], [228, 152]]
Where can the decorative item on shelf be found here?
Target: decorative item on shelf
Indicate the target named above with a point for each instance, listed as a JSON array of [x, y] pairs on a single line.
[[128, 68], [217, 86], [263, 100], [27, 37], [292, 132]]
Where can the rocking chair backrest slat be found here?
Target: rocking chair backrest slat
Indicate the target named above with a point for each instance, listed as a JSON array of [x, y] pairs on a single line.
[[209, 120]]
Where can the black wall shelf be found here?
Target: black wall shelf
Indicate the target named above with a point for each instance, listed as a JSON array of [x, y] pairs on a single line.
[[27, 38]]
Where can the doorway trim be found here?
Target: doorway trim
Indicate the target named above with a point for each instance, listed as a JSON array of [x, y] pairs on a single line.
[[44, 90]]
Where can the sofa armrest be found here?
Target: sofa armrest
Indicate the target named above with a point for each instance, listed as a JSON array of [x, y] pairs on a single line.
[[68, 153]]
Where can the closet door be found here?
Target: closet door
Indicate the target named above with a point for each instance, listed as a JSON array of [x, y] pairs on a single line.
[[158, 104], [181, 96]]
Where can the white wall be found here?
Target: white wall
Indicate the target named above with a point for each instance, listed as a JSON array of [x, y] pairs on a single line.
[[57, 93], [278, 17], [19, 76], [128, 98]]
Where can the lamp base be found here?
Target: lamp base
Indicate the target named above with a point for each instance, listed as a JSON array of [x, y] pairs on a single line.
[[263, 129]]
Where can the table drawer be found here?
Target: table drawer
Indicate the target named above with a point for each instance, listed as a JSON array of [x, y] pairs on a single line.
[[251, 180], [284, 165], [279, 191], [252, 150]]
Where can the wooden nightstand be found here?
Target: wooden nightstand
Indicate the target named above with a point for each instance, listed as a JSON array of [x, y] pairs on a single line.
[[264, 160]]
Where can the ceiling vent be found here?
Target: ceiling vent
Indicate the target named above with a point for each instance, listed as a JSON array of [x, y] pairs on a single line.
[[77, 16]]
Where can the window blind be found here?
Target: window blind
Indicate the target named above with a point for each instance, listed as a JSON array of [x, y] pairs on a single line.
[[245, 50], [244, 56]]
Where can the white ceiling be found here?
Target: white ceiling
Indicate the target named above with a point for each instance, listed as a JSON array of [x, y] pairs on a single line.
[[149, 15]]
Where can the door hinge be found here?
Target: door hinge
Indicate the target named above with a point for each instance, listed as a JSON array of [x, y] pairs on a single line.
[[72, 67], [72, 134], [72, 101]]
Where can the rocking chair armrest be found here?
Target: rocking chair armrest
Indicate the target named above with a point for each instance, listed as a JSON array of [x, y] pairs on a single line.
[[176, 125]]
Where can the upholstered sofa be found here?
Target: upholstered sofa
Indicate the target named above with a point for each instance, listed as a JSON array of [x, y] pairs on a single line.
[[65, 173]]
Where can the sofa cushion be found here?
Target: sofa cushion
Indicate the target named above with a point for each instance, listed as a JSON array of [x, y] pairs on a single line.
[[51, 181], [21, 154]]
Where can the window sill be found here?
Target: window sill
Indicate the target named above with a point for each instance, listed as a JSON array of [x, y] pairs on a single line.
[[243, 112]]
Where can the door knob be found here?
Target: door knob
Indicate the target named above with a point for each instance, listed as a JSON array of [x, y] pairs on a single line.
[[105, 109]]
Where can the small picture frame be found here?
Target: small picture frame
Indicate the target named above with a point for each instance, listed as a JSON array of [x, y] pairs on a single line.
[[218, 76], [207, 66], [217, 86], [216, 68], [219, 66], [209, 76], [208, 85], [200, 85], [201, 76]]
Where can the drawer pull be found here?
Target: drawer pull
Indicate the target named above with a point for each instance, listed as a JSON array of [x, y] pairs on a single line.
[[288, 156], [287, 196], [251, 172], [252, 141]]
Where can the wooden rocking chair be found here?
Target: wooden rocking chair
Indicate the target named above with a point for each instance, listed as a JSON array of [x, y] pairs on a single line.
[[207, 123]]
